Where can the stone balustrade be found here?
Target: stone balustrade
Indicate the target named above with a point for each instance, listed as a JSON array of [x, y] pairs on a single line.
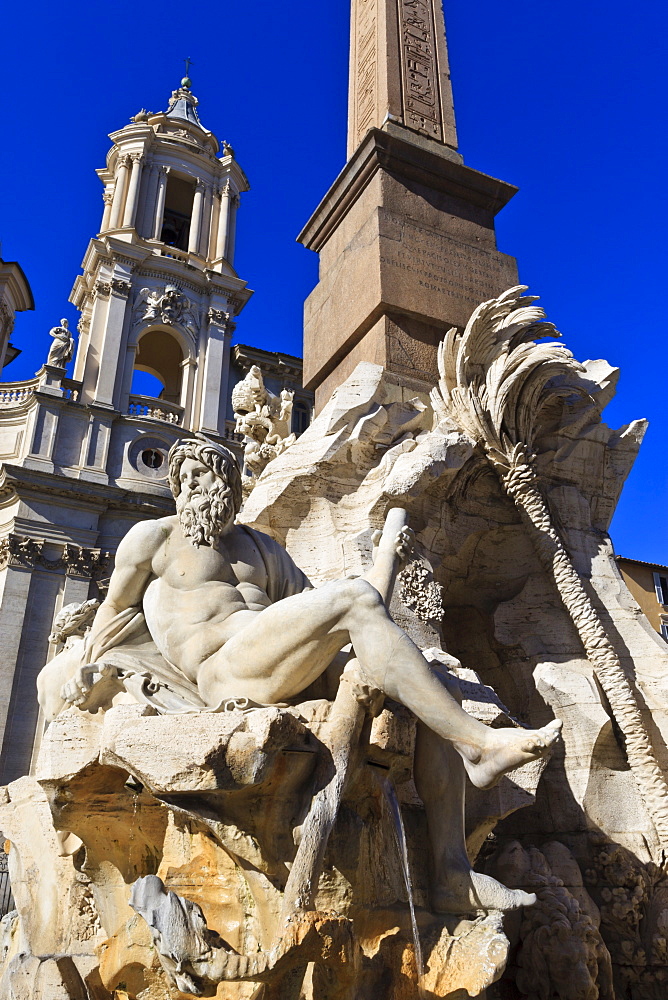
[[17, 393], [155, 409]]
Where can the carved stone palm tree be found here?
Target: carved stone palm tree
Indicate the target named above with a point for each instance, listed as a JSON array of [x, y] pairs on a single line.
[[495, 383]]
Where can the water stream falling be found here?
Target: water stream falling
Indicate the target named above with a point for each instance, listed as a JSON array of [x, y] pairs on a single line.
[[400, 837]]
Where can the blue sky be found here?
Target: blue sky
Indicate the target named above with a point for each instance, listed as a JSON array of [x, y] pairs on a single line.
[[566, 100]]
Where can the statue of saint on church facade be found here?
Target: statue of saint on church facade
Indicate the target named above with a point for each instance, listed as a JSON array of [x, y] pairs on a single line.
[[62, 348]]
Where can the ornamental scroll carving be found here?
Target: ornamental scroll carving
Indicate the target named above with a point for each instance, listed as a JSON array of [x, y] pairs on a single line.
[[28, 553]]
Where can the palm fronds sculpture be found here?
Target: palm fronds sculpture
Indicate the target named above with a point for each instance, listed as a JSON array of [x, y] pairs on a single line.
[[495, 381]]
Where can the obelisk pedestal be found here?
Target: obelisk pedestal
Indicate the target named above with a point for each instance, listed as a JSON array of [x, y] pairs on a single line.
[[406, 232]]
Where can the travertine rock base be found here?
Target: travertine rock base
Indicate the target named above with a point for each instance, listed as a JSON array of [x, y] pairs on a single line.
[[212, 805]]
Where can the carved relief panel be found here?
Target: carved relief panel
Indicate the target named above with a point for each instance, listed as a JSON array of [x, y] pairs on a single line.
[[419, 67], [365, 62]]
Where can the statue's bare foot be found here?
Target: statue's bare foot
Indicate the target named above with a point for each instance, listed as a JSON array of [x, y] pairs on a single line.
[[469, 891], [507, 749]]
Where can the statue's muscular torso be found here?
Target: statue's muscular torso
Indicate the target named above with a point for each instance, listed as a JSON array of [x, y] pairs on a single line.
[[183, 588]]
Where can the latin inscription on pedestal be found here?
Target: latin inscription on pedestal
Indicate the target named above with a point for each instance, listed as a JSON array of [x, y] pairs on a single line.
[[437, 276], [419, 67]]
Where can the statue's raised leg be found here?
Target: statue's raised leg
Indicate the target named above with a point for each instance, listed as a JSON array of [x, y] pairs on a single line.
[[440, 780]]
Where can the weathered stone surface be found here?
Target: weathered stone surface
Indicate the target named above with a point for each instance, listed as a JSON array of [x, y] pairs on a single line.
[[95, 831]]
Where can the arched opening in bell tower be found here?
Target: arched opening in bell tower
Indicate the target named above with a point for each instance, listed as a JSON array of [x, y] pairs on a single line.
[[159, 354], [178, 211]]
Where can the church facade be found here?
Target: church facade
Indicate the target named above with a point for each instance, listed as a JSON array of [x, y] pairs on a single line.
[[84, 457]]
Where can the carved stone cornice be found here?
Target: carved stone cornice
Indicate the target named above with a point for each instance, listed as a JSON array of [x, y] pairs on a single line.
[[165, 275], [235, 304], [27, 553], [271, 362], [96, 496], [119, 258]]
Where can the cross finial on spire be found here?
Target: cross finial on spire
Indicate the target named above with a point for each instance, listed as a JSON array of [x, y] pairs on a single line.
[[186, 81]]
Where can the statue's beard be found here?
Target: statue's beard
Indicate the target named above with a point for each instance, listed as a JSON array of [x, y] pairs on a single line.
[[204, 515]]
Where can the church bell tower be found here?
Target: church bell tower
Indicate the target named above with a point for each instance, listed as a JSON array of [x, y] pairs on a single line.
[[84, 457], [159, 292]]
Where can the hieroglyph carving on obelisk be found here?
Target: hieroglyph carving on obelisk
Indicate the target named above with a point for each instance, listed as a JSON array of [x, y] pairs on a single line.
[[399, 70]]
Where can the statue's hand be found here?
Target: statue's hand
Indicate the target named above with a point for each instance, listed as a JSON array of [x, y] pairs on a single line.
[[92, 686]]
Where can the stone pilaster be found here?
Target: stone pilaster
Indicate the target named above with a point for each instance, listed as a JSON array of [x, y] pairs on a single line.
[[34, 588], [215, 374]]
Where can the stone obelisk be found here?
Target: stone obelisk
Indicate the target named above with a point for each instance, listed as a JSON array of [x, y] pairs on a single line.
[[406, 232]]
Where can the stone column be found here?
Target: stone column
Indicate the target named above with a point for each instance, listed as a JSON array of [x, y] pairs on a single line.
[[149, 201], [205, 237], [119, 192], [188, 373], [232, 234], [160, 202], [108, 198], [223, 220], [196, 219], [215, 220], [130, 212]]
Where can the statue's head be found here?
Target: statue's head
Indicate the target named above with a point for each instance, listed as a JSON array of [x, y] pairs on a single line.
[[206, 483], [65, 323]]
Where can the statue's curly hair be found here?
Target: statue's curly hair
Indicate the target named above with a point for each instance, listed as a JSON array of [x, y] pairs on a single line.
[[216, 457]]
